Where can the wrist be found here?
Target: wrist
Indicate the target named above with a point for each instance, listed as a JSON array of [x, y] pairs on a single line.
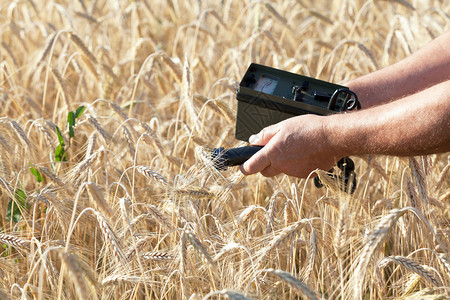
[[341, 138]]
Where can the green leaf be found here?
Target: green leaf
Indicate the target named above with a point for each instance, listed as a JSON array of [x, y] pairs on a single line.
[[13, 212], [15, 207], [71, 132], [36, 174], [20, 196], [71, 119], [60, 137], [60, 153], [79, 111]]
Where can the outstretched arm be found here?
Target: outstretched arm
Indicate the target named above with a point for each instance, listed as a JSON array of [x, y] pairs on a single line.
[[428, 66], [418, 124]]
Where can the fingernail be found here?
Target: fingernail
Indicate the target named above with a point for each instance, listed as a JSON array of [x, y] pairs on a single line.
[[253, 138]]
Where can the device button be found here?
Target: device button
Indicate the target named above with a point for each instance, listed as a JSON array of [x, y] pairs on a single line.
[[321, 96]]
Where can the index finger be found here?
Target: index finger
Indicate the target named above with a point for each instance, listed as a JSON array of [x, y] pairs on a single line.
[[256, 163]]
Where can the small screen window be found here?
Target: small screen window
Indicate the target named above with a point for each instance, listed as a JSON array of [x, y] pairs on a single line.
[[266, 84]]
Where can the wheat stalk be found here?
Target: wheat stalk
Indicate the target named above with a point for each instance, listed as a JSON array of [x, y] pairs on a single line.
[[118, 111], [228, 248], [47, 172], [246, 214]]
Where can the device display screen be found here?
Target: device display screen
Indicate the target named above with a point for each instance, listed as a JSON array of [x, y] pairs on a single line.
[[266, 84]]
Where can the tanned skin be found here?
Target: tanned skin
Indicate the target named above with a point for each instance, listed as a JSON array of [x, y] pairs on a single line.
[[406, 112]]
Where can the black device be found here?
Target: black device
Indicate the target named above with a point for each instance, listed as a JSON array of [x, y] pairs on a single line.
[[267, 96]]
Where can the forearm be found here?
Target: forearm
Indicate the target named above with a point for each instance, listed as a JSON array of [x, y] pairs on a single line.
[[426, 67], [418, 124]]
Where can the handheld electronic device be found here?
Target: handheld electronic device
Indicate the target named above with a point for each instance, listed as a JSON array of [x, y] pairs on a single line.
[[267, 96]]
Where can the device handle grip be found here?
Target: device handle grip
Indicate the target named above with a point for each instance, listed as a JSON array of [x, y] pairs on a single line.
[[223, 158]]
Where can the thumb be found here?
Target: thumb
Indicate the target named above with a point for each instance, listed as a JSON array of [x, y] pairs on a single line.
[[264, 136]]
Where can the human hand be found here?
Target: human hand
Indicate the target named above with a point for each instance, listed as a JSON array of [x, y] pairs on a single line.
[[295, 146]]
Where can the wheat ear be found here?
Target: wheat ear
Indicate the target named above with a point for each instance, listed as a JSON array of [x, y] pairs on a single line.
[[442, 176], [229, 294], [130, 141], [123, 278], [152, 175], [76, 273], [339, 239], [183, 254], [374, 240], [98, 198], [410, 265], [285, 234], [157, 255], [63, 86], [160, 217], [271, 212], [92, 141], [200, 248], [311, 256], [13, 241], [293, 282], [153, 137], [412, 194], [198, 193], [91, 62], [419, 178], [21, 134], [94, 122], [110, 237]]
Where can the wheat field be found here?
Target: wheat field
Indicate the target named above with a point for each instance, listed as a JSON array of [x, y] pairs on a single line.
[[108, 112]]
